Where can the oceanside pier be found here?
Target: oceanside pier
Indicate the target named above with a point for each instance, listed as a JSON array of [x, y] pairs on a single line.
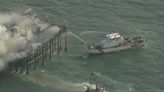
[[41, 55]]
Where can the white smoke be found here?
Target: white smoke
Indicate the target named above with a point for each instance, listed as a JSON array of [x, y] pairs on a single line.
[[21, 34]]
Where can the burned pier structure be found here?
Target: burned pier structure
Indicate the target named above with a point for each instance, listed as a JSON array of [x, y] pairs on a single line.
[[41, 55]]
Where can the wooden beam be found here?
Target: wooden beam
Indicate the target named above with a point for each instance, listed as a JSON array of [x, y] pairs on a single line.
[[27, 66]]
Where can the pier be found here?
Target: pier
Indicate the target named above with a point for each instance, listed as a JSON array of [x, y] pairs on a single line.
[[41, 55]]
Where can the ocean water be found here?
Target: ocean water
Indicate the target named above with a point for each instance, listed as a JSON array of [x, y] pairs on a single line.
[[134, 70]]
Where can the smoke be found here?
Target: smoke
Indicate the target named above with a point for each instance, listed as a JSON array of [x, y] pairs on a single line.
[[21, 34]]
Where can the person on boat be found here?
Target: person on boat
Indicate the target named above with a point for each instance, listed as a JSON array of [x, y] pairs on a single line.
[[91, 46]]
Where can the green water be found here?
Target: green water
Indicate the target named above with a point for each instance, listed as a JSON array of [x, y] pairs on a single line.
[[135, 70]]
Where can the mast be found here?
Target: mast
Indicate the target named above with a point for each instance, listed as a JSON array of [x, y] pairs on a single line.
[[93, 79], [119, 26]]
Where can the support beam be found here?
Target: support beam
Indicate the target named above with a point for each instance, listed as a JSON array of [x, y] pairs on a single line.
[[58, 45], [35, 60], [45, 49], [27, 65], [60, 42], [52, 45], [65, 36], [50, 48], [22, 65], [37, 55], [55, 44], [42, 54]]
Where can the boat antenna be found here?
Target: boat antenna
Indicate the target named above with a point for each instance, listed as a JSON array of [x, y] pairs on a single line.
[[119, 27], [93, 79]]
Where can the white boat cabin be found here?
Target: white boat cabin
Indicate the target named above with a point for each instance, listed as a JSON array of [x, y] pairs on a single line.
[[113, 36], [113, 39]]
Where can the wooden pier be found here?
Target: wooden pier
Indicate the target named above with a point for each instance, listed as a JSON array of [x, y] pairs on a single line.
[[41, 55]]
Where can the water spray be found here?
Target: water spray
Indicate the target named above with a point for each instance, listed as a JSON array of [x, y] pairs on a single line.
[[78, 37], [88, 32]]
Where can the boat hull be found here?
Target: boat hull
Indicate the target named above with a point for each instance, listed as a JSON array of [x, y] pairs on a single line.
[[119, 48]]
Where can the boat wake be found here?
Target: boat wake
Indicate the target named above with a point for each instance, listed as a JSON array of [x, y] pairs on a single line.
[[85, 84]]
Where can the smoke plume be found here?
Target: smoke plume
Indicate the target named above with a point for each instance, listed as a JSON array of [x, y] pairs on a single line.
[[21, 33]]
